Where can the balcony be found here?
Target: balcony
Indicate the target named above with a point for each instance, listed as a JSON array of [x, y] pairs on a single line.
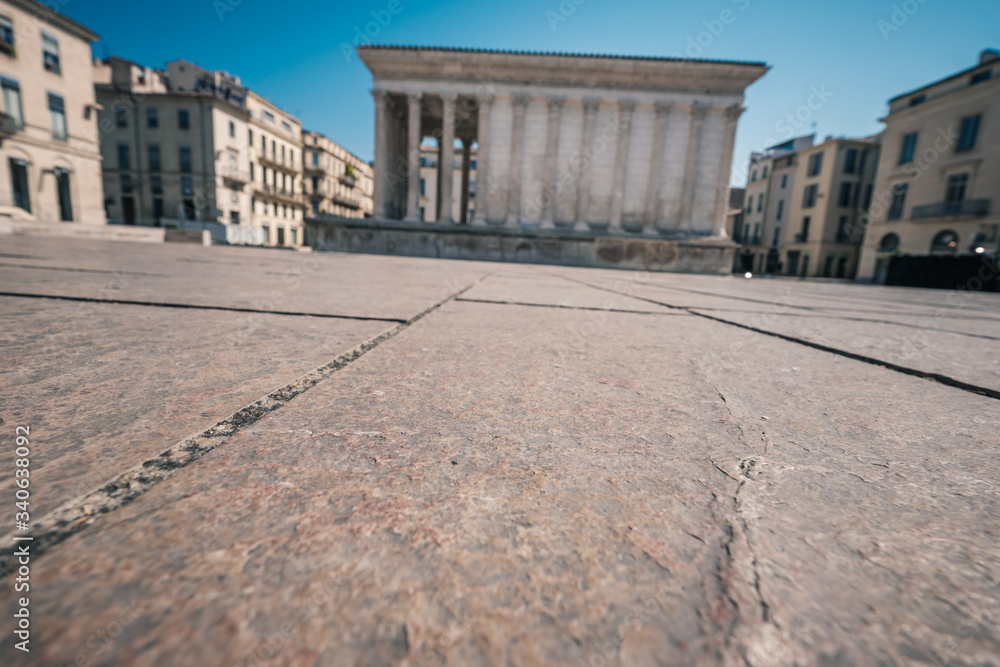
[[344, 200], [802, 237], [9, 125], [235, 176], [278, 193], [271, 161], [349, 181], [967, 208]]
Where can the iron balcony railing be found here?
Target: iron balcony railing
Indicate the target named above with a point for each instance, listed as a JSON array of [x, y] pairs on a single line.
[[967, 207]]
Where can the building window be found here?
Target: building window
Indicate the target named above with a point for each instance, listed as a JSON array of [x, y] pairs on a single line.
[[944, 243], [156, 184], [968, 134], [815, 164], [753, 176], [19, 184], [126, 183], [62, 192], [275, 209], [284, 210], [784, 181], [777, 236], [315, 208], [804, 234], [152, 119], [6, 35], [919, 99], [844, 198], [187, 208], [909, 148], [291, 156], [889, 243], [315, 159], [12, 101], [979, 77], [183, 119], [315, 184], [154, 157], [281, 236], [121, 116], [898, 201], [123, 159], [843, 232], [274, 150], [251, 171], [809, 195], [185, 157], [957, 184], [763, 173], [249, 137], [868, 196], [234, 217], [286, 127], [50, 53], [423, 186], [186, 187], [851, 161], [267, 115], [57, 116], [781, 209], [232, 129], [157, 208], [760, 202]]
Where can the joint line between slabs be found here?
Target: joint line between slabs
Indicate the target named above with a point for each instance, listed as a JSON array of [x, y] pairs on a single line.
[[227, 309], [935, 377], [75, 515]]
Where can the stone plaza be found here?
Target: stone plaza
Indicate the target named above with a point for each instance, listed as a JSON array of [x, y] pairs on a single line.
[[469, 463]]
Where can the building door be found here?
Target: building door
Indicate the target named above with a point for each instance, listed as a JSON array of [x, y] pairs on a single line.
[[281, 236], [772, 261], [805, 265], [128, 210], [793, 262], [65, 201], [842, 266]]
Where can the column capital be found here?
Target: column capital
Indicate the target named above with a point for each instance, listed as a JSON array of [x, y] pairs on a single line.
[[520, 102], [485, 101], [699, 111], [380, 94], [450, 98], [662, 108], [626, 106], [556, 104], [414, 98], [590, 105], [734, 112]]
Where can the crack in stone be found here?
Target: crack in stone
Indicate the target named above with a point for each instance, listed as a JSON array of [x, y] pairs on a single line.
[[83, 511]]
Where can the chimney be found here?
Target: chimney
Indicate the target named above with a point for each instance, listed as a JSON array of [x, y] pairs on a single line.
[[988, 55]]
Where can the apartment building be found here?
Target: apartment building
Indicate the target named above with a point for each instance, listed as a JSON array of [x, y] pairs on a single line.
[[939, 171], [812, 203], [463, 181], [336, 182], [49, 146], [185, 146]]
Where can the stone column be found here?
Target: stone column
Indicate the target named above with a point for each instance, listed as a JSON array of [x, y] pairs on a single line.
[[725, 167], [625, 110], [447, 158], [551, 177], [463, 212], [413, 139], [382, 158], [690, 187], [651, 209], [516, 144], [482, 159], [583, 177]]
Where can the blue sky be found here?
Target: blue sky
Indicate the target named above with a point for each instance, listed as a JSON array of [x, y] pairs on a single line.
[[856, 53]]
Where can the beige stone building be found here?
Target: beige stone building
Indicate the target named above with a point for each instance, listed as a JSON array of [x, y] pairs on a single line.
[[617, 145], [49, 147], [938, 177], [463, 180], [805, 207], [190, 147], [335, 181]]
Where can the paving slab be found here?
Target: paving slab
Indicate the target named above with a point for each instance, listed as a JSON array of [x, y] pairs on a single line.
[[265, 279], [668, 490], [105, 386]]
